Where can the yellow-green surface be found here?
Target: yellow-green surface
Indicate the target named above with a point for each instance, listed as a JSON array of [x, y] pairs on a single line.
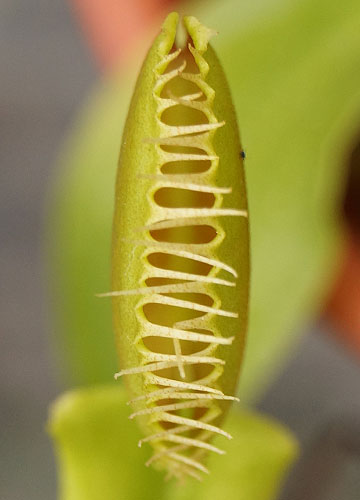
[[135, 208]]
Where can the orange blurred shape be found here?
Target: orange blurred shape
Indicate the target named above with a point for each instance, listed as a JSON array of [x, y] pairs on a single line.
[[343, 308], [113, 27]]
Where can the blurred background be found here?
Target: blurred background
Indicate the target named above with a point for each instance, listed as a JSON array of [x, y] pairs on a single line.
[[52, 54]]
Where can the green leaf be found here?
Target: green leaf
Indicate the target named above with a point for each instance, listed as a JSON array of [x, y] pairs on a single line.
[[98, 456], [294, 73]]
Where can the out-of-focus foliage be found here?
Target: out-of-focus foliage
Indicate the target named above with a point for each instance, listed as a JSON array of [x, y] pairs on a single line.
[[296, 90], [98, 456], [293, 69], [79, 236]]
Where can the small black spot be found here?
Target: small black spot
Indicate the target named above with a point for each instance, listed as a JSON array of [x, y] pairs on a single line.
[[242, 154]]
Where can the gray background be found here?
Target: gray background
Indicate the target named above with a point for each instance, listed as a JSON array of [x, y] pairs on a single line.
[[46, 71]]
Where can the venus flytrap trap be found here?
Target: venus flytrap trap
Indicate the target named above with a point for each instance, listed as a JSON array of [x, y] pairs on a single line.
[[180, 260], [180, 288]]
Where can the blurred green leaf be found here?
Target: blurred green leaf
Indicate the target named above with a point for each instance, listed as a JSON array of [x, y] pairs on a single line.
[[295, 77], [79, 237], [99, 458], [293, 69]]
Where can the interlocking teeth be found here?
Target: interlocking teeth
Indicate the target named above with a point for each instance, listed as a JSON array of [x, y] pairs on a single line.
[[182, 401]]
